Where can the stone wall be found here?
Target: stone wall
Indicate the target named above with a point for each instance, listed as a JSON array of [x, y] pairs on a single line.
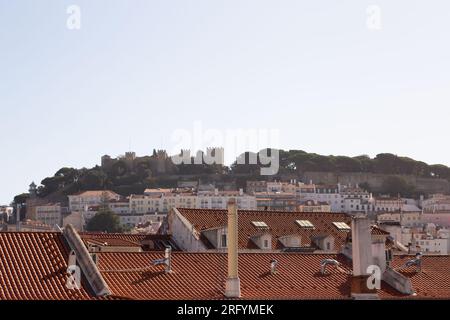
[[375, 180]]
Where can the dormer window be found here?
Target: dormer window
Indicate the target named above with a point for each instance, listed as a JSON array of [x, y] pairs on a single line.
[[304, 224], [342, 226], [260, 224]]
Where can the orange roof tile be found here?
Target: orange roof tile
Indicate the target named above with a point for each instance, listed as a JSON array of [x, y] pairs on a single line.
[[377, 231], [33, 267], [127, 240], [202, 276], [281, 223], [432, 282]]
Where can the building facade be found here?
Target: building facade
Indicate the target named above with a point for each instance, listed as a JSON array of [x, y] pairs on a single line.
[[163, 200], [78, 202]]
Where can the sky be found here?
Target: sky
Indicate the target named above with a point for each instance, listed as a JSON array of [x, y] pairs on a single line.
[[138, 73]]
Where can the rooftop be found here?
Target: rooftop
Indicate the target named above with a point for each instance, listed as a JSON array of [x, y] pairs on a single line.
[[202, 276], [280, 223], [34, 267], [96, 193]]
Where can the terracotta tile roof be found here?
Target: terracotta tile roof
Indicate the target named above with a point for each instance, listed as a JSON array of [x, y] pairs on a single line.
[[202, 276], [128, 240], [133, 238], [432, 282], [97, 193], [281, 223], [111, 242], [33, 267], [377, 231]]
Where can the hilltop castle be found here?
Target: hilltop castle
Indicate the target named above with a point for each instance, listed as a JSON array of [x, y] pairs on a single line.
[[159, 162]]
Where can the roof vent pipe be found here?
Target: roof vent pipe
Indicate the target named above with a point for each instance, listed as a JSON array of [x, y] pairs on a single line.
[[168, 257], [166, 261], [273, 266], [417, 261], [325, 262]]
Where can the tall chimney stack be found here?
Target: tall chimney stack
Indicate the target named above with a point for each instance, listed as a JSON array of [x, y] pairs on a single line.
[[233, 285], [361, 258]]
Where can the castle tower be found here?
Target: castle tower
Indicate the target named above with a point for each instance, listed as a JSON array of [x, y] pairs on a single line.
[[33, 190]]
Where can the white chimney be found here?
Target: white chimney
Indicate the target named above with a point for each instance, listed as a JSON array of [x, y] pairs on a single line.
[[241, 191], [216, 191], [361, 245], [361, 257], [232, 286], [72, 258]]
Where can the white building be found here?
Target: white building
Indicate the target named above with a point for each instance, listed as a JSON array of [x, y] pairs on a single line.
[[6, 213], [78, 202], [119, 207], [340, 198], [436, 203], [427, 239], [162, 200], [134, 219], [405, 219], [50, 214]]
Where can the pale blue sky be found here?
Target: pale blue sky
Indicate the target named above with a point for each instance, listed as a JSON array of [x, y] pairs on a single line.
[[138, 70]]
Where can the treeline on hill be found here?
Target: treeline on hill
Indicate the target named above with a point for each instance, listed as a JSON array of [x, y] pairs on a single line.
[[126, 180]]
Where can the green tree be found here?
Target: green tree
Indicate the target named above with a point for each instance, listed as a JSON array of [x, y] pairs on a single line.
[[396, 185], [93, 179], [104, 220], [365, 186]]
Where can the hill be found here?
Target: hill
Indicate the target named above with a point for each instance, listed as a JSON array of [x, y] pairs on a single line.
[[385, 173]]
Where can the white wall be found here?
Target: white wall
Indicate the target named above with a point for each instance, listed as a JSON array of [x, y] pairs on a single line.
[[181, 231]]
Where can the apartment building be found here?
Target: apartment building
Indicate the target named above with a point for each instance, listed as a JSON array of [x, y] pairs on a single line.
[[340, 198], [313, 206], [78, 202], [282, 201], [163, 200], [6, 213], [50, 214], [119, 207], [437, 203], [405, 219]]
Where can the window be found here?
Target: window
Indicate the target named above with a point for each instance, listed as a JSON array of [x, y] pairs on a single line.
[[223, 240], [304, 224], [342, 226], [328, 246], [260, 224], [266, 243]]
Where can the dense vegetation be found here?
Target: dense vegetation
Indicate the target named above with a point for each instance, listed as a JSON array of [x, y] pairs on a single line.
[[120, 178]]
